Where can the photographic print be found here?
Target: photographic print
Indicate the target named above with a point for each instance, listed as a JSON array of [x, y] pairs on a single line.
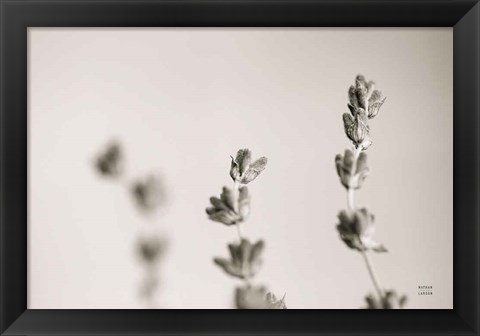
[[240, 168]]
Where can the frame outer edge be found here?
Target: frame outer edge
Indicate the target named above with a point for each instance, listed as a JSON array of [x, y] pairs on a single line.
[[475, 161], [3, 306], [467, 168], [13, 150], [476, 312]]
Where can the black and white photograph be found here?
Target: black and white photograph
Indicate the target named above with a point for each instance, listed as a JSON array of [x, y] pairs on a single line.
[[240, 168]]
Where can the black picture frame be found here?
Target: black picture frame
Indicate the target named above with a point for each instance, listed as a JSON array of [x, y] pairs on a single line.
[[17, 15]]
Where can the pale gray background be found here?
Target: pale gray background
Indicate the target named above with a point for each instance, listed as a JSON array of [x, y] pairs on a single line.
[[182, 101]]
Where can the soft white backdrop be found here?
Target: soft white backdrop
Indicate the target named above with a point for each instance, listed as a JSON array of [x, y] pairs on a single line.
[[181, 101]]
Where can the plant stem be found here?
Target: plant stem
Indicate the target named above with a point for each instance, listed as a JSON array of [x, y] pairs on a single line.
[[350, 199], [239, 231], [371, 271], [236, 186], [351, 191], [351, 207]]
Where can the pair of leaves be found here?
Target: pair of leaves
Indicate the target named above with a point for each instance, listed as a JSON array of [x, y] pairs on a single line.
[[257, 297], [390, 300], [148, 193], [151, 248], [356, 229], [351, 170], [242, 170], [230, 209], [245, 259]]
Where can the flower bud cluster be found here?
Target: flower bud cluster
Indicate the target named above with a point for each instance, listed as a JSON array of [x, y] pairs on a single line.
[[151, 248], [364, 104], [110, 161], [390, 300], [148, 193]]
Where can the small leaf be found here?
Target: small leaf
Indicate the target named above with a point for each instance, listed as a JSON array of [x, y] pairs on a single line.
[[352, 97], [227, 198], [374, 108], [243, 159], [260, 164], [361, 162]]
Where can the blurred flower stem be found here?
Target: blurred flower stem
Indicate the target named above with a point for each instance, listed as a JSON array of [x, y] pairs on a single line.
[[148, 195], [371, 271]]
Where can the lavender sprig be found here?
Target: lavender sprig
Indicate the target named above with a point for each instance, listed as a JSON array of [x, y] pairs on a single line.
[[356, 226], [232, 209]]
